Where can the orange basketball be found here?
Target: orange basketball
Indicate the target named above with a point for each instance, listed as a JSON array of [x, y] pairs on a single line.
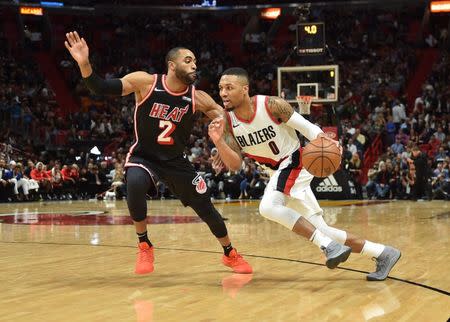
[[321, 157]]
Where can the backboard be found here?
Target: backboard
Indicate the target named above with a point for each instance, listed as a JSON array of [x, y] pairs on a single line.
[[321, 82]]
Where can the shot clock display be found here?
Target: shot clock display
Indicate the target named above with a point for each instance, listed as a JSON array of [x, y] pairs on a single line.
[[311, 38]]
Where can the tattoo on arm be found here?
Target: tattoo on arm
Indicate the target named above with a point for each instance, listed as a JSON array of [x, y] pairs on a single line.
[[230, 140], [280, 109]]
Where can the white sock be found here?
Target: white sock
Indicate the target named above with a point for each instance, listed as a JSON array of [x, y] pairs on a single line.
[[319, 239], [372, 249]]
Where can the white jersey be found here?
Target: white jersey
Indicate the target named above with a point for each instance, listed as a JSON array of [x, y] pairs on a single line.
[[263, 138]]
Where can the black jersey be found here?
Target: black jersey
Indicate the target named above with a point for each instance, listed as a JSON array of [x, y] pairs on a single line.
[[163, 122]]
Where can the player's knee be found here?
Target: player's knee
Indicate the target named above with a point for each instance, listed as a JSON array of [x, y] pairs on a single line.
[[138, 184], [265, 209], [268, 205], [137, 205]]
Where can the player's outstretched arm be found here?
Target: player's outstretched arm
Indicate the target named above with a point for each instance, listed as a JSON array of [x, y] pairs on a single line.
[[284, 112], [205, 104], [226, 144], [137, 82]]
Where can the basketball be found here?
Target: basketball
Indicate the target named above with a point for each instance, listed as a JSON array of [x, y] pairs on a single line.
[[321, 157]]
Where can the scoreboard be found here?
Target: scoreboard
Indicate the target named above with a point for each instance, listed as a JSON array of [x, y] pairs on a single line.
[[311, 38]]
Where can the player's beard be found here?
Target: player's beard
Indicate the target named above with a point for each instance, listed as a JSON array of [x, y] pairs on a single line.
[[229, 108], [186, 78]]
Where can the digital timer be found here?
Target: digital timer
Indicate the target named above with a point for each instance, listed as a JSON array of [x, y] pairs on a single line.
[[311, 38]]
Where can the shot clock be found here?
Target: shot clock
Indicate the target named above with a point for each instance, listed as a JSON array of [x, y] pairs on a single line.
[[310, 38]]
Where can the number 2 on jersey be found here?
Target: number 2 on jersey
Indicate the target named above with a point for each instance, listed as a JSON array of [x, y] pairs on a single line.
[[168, 127]]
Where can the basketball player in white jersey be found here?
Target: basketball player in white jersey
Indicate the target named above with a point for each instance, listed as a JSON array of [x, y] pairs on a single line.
[[264, 129]]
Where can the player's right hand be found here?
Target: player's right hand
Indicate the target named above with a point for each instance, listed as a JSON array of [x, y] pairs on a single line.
[[77, 47], [326, 137], [215, 129]]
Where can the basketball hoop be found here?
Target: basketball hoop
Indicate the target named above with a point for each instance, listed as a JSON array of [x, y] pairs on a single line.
[[304, 104]]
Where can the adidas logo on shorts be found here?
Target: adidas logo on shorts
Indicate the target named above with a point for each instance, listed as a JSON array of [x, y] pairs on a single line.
[[329, 184]]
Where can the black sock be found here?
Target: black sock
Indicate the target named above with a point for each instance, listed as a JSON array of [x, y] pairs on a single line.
[[144, 238], [227, 249]]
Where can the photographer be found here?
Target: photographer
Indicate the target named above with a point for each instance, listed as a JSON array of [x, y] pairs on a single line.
[[441, 187]]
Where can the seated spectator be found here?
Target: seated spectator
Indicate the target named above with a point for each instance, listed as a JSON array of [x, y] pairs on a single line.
[[232, 181], [21, 182], [360, 140], [395, 183], [28, 169], [69, 182], [9, 177], [403, 137], [439, 134], [161, 190], [103, 169], [56, 178], [382, 181], [371, 185], [414, 137], [408, 182], [33, 185], [40, 175], [6, 186], [440, 171], [441, 155], [247, 176], [434, 143], [351, 147], [397, 147], [83, 183], [441, 187], [116, 191], [354, 167], [258, 183], [96, 182]]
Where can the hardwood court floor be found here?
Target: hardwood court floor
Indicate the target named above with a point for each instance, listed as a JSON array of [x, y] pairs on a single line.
[[74, 261]]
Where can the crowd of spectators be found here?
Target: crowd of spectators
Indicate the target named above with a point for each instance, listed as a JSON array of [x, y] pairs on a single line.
[[375, 60], [416, 162]]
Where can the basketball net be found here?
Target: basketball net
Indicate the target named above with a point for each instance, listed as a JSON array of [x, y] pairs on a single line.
[[304, 104]]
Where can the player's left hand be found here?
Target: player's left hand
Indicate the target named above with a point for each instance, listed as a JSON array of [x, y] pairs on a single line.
[[217, 163], [326, 137]]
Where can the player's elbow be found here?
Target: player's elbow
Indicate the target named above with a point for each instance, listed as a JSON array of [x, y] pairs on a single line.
[[100, 86]]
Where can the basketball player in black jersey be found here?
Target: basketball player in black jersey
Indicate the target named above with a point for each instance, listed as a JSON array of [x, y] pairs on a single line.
[[163, 122]]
